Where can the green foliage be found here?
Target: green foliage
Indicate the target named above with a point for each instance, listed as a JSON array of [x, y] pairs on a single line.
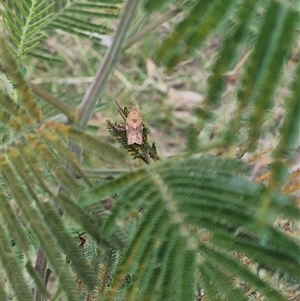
[[23, 22], [36, 153], [180, 198], [152, 5], [13, 269], [229, 53], [289, 132], [159, 232], [28, 22], [264, 68], [194, 29]]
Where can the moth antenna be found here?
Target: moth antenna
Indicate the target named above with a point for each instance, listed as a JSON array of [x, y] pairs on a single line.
[[120, 111]]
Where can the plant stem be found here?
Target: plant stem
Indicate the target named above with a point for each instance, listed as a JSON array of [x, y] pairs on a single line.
[[106, 68], [63, 107], [103, 173], [40, 267]]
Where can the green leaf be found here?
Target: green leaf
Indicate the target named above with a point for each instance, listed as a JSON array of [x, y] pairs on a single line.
[[152, 5], [12, 269], [193, 30], [194, 193], [228, 53], [222, 260], [27, 24], [290, 130], [12, 223], [271, 49]]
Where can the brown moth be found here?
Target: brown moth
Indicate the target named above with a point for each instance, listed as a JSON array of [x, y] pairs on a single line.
[[134, 127]]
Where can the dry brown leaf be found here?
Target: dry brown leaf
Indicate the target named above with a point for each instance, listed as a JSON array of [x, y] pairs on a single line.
[[184, 99]]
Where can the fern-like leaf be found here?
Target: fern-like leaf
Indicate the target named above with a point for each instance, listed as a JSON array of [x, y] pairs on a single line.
[[27, 24], [24, 23], [269, 58], [181, 197], [33, 161], [193, 29]]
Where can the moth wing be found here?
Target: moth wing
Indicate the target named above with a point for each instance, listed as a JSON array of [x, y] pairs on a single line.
[[134, 135], [134, 127]]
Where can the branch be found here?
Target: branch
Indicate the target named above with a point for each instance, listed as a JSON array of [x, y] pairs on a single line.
[[106, 68], [63, 107]]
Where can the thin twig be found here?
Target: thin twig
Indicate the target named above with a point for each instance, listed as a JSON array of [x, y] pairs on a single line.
[[150, 27]]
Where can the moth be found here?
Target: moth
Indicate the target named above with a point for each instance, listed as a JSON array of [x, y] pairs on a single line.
[[134, 127]]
